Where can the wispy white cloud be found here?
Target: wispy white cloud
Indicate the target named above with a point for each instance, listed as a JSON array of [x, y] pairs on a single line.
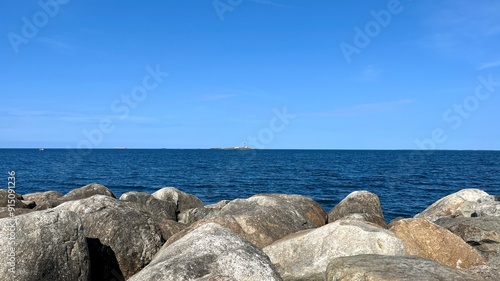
[[57, 44], [216, 97], [24, 113], [370, 73], [271, 3], [364, 109], [464, 30], [489, 65], [115, 118], [73, 116]]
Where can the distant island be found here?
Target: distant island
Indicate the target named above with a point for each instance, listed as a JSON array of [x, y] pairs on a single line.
[[244, 147]]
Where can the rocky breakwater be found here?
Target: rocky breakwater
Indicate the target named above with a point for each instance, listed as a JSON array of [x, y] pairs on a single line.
[[89, 234]]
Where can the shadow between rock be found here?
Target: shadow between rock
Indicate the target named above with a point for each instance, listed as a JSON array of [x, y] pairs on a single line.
[[103, 263]]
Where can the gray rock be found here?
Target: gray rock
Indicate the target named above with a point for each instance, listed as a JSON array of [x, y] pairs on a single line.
[[281, 209], [49, 245], [87, 191], [488, 272], [263, 219], [460, 204], [7, 198], [304, 205], [43, 200], [359, 205], [42, 196], [132, 236], [305, 255], [159, 210], [209, 211], [483, 233], [169, 228], [183, 200], [393, 268], [488, 207], [75, 194], [6, 212], [211, 252]]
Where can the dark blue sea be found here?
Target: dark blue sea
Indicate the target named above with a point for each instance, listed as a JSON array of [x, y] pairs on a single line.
[[406, 181]]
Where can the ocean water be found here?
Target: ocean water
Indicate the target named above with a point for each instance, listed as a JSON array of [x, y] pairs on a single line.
[[406, 181]]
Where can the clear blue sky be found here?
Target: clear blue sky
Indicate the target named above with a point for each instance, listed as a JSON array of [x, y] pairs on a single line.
[[353, 74]]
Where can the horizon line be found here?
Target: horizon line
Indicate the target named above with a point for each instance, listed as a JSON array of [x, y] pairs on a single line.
[[217, 148]]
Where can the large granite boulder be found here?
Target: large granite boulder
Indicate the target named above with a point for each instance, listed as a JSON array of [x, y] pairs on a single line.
[[8, 197], [169, 228], [49, 245], [42, 196], [425, 239], [159, 210], [6, 212], [211, 252], [83, 192], [263, 219], [487, 272], [280, 208], [488, 207], [183, 200], [391, 268], [87, 191], [306, 206], [205, 212], [359, 205], [305, 255], [483, 233], [460, 204], [131, 235]]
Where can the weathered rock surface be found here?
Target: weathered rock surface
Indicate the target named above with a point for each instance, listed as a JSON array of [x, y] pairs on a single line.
[[211, 252], [83, 192], [428, 240], [205, 212], [263, 219], [183, 200], [132, 236], [49, 245], [5, 212], [305, 255], [281, 208], [393, 268], [87, 191], [18, 199], [488, 207], [42, 196], [306, 206], [483, 233], [460, 204], [488, 272], [159, 210], [359, 205], [169, 228]]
